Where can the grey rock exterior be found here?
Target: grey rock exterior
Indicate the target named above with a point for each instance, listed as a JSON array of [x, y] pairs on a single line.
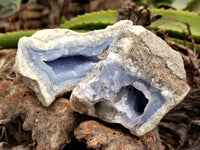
[[141, 79]]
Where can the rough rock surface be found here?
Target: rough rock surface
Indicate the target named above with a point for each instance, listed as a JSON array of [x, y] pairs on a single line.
[[98, 136], [51, 127], [52, 61], [141, 79]]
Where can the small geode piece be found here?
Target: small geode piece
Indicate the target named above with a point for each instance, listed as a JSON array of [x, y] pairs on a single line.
[[141, 79], [52, 61]]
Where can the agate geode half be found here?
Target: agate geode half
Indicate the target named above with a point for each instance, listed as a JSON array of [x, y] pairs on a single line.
[[141, 79], [52, 61]]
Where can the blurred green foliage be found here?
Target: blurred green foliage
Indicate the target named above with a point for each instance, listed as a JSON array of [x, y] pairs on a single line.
[[10, 39], [173, 21], [193, 5], [190, 5], [151, 3], [9, 7]]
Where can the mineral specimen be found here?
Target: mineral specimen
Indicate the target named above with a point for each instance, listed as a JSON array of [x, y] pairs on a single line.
[[52, 61], [141, 79]]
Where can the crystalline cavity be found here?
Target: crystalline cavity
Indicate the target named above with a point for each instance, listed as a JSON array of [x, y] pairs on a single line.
[[52, 61], [72, 66], [114, 95], [141, 79]]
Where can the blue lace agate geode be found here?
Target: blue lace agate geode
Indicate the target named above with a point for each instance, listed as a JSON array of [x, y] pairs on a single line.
[[52, 61], [138, 82], [141, 79]]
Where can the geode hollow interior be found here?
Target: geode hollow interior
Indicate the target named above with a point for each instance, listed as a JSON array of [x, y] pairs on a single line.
[[52, 61], [141, 79]]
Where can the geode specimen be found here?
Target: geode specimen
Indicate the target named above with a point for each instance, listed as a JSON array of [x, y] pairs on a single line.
[[141, 79], [52, 61]]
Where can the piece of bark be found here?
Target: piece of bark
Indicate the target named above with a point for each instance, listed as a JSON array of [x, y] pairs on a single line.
[[51, 127], [101, 137], [176, 128], [137, 14], [7, 60]]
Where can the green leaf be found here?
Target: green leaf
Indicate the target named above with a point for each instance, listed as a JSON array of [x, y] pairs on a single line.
[[99, 20], [171, 22], [91, 21], [165, 6], [10, 39], [63, 20]]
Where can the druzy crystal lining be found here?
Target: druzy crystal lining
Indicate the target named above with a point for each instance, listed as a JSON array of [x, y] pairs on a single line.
[[117, 96]]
